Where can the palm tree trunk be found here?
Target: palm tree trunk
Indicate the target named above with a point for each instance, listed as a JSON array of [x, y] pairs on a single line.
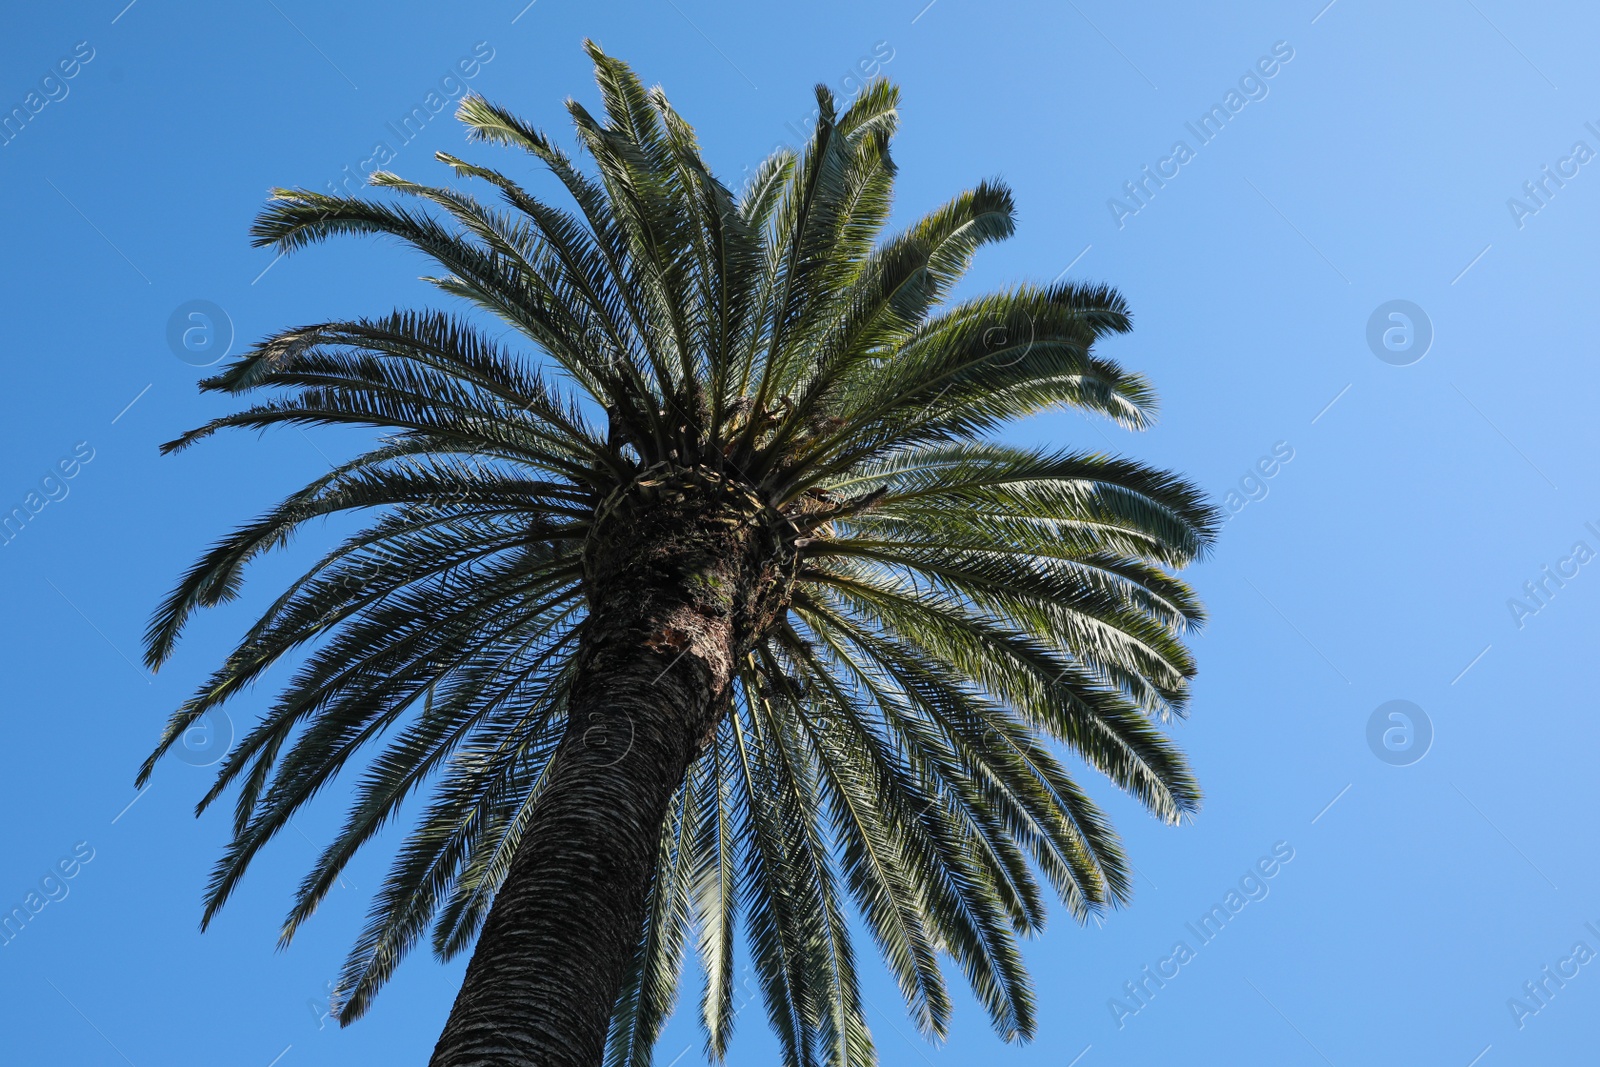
[[653, 679]]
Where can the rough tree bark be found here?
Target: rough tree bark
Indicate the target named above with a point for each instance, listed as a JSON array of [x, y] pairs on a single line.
[[682, 571]]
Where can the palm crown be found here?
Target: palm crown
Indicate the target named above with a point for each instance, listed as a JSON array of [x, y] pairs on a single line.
[[930, 611]]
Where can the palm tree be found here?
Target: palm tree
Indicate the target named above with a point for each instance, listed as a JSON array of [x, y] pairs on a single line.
[[726, 611]]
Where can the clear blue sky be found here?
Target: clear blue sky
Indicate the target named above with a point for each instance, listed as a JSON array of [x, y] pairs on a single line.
[[1376, 163]]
